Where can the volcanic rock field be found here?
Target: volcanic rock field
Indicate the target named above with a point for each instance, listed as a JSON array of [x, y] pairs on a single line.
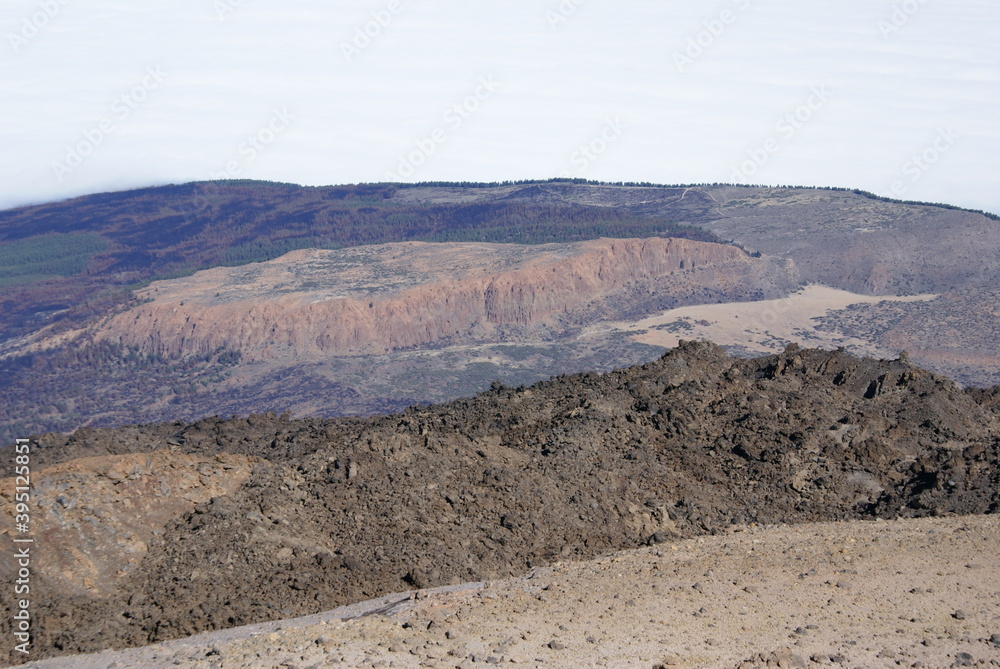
[[229, 522]]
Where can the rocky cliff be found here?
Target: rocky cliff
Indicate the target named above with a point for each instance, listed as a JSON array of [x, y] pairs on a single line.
[[398, 296]]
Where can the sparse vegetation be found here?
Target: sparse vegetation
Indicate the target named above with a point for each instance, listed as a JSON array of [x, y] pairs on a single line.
[[679, 325], [97, 382]]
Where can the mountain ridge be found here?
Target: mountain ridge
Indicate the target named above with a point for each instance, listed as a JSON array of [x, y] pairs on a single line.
[[836, 238]]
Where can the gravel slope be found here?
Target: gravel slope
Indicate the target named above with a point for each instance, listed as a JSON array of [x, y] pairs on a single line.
[[910, 593]]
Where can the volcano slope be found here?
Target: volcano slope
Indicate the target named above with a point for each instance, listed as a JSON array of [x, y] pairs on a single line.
[[319, 513]]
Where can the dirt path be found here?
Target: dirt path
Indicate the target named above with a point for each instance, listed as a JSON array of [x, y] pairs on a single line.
[[910, 593]]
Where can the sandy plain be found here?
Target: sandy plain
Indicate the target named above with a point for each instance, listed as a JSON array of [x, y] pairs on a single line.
[[763, 326], [902, 593]]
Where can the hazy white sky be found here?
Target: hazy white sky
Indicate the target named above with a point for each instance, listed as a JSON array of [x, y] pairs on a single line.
[[897, 97]]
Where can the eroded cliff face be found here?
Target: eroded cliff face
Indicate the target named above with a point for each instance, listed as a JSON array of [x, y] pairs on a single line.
[[400, 296]]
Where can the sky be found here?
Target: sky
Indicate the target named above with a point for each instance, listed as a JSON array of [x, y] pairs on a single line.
[[900, 98]]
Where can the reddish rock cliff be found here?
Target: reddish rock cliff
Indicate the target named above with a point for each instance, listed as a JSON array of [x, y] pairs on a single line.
[[399, 296]]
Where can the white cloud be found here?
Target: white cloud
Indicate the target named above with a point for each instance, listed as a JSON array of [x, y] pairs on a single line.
[[891, 93]]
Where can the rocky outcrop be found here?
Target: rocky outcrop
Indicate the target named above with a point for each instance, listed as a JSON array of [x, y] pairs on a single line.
[[339, 511], [94, 518], [400, 296]]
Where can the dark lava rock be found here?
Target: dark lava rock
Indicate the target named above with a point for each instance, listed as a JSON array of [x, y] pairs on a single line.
[[512, 479]]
